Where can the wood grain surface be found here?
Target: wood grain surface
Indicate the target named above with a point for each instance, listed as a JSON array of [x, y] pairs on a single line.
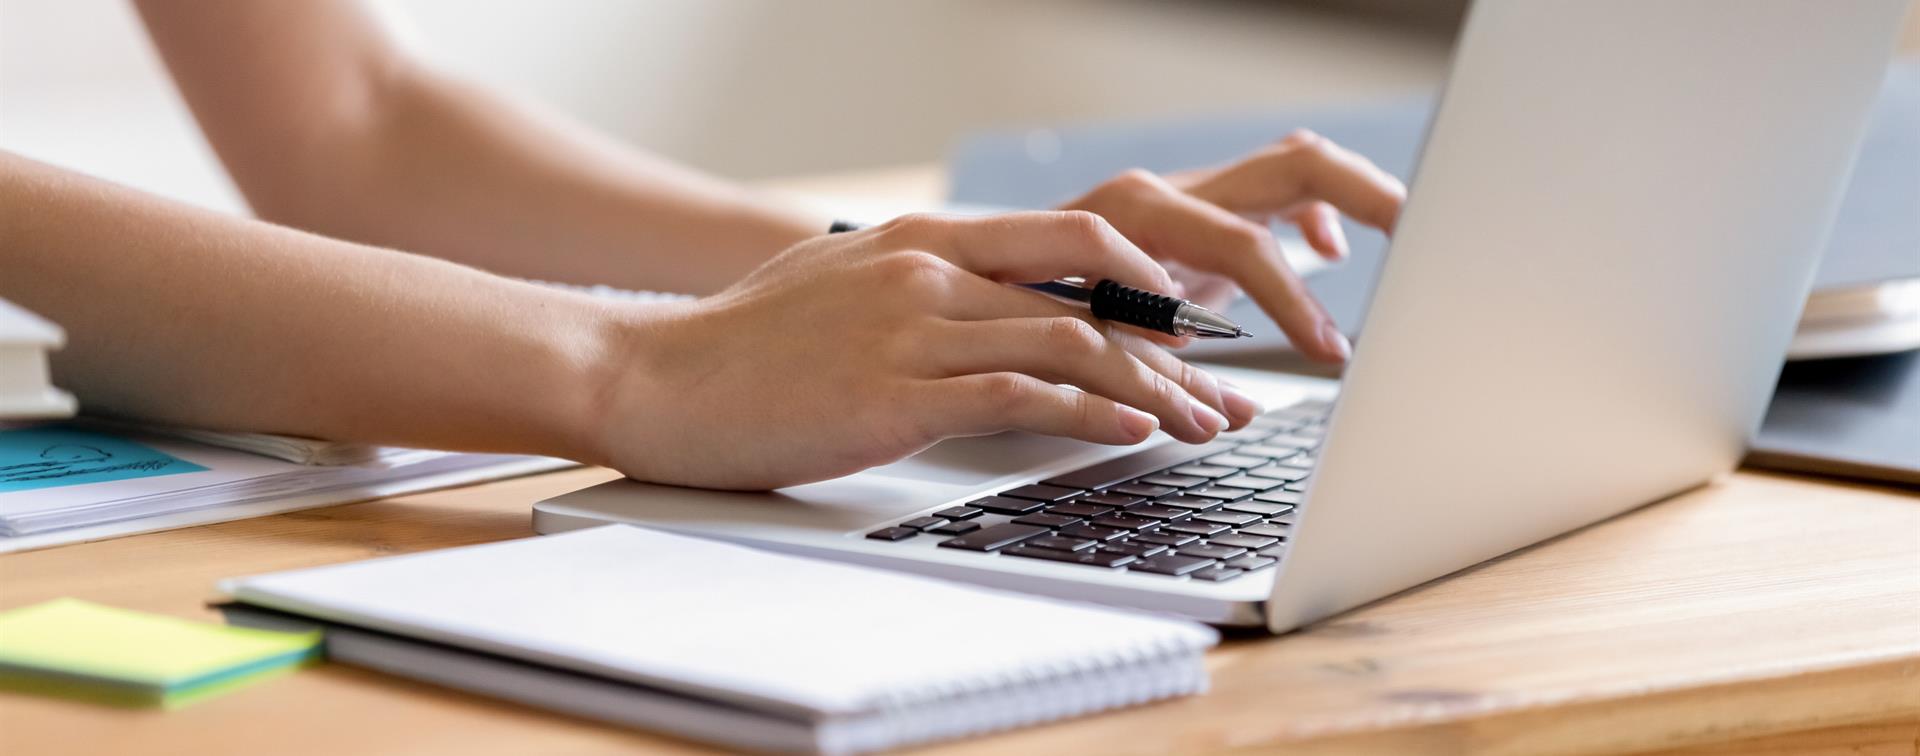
[[1760, 606]]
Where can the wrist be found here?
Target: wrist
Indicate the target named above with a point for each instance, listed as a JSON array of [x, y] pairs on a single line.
[[618, 377]]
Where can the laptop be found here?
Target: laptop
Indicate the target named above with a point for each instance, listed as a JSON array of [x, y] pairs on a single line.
[[1521, 377]]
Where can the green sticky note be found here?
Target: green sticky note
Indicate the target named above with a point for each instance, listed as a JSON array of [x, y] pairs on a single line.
[[51, 456], [80, 649]]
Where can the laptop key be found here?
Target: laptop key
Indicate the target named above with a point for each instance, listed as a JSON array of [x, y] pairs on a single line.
[[1237, 461], [1222, 493], [1251, 562], [1164, 538], [1192, 527], [1153, 512], [1042, 492], [1217, 574], [1210, 551], [1141, 550], [1125, 522], [955, 527], [1298, 486], [1242, 540], [1170, 564], [1143, 490], [1109, 500], [1224, 518], [1270, 451], [1122, 469], [959, 513], [1090, 558], [1294, 440], [1268, 530], [1077, 509], [1092, 532], [1171, 480], [1260, 508], [1047, 520], [1003, 505], [1280, 472], [1190, 503], [1205, 471], [922, 523], [1249, 482], [1273, 551], [1279, 497], [995, 537], [893, 534], [1059, 543]]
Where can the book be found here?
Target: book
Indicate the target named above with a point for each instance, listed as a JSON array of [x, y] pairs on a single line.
[[75, 481], [731, 645], [26, 386], [78, 649]]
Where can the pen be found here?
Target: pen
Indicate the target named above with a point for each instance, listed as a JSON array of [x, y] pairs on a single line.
[[1138, 307], [1124, 304]]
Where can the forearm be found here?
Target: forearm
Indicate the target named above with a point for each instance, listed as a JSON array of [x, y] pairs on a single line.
[[461, 173], [327, 126], [183, 316]]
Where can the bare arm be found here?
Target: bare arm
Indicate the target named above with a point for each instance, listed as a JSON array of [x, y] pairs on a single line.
[[180, 315], [817, 365], [327, 126]]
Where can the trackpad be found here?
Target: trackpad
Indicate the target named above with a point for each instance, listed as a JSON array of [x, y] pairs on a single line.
[[981, 460]]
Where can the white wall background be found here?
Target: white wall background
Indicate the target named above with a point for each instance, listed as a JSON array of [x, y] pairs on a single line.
[[743, 87]]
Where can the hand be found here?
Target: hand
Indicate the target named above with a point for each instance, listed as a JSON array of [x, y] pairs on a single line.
[[858, 349], [1213, 222]]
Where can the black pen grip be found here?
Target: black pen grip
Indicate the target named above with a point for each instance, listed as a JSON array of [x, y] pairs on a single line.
[[1125, 304]]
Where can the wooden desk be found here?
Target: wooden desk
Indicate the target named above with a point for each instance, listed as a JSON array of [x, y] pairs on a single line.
[[1763, 613]]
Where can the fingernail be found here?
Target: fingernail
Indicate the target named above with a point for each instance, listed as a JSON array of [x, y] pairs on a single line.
[[1205, 416], [1338, 237], [1240, 406], [1335, 342], [1136, 424]]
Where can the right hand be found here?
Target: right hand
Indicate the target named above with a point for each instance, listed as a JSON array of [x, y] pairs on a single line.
[[858, 349]]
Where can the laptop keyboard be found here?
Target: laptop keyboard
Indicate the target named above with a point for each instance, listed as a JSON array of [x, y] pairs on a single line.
[[1211, 512]]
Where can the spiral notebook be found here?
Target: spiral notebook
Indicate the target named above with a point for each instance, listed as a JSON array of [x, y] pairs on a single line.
[[736, 646]]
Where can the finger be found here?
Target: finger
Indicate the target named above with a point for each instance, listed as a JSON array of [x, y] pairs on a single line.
[[1031, 247], [1070, 350], [991, 301], [1319, 224], [980, 404], [1264, 274], [1245, 252], [1303, 167], [1202, 384]]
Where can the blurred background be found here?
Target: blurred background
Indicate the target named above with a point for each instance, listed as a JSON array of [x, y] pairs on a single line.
[[757, 88]]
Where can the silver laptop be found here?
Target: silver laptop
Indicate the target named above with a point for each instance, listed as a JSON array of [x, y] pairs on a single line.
[[1684, 158]]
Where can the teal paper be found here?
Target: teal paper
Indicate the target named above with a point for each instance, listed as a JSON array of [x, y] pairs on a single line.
[[47, 457]]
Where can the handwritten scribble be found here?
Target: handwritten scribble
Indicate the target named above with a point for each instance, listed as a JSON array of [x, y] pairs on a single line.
[[46, 456]]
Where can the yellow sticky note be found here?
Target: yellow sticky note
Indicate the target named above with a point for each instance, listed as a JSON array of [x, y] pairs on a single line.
[[73, 647]]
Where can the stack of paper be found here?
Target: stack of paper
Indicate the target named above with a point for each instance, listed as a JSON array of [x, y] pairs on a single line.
[[62, 483], [77, 649], [26, 391], [296, 449]]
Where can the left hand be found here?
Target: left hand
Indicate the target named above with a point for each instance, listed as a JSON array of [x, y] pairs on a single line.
[[1213, 222]]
